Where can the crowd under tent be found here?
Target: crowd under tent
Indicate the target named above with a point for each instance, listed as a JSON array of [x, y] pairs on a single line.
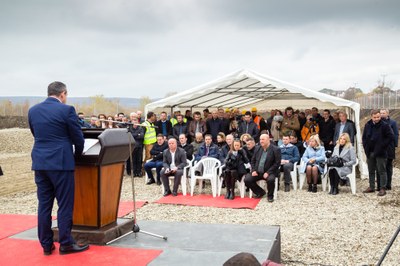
[[245, 89]]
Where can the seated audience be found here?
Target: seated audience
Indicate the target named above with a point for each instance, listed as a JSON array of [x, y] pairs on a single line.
[[223, 148], [310, 128], [289, 156], [187, 147], [234, 168], [265, 166], [338, 174], [156, 154], [197, 142], [174, 160], [163, 126], [244, 138], [313, 158]]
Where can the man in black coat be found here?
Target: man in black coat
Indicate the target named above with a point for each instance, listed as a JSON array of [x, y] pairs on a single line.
[[187, 147], [180, 128], [163, 126], [214, 126], [377, 137], [327, 130], [248, 126], [137, 152], [344, 126], [265, 166], [392, 149]]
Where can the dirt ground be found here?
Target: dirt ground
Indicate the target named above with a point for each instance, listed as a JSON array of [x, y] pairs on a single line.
[[317, 229]]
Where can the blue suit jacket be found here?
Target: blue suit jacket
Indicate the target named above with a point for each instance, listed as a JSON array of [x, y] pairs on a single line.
[[55, 128]]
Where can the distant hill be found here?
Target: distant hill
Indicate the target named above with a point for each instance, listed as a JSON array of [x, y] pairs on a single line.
[[128, 102]]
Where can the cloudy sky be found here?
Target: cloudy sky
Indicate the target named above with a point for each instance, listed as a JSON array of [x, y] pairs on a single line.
[[152, 47]]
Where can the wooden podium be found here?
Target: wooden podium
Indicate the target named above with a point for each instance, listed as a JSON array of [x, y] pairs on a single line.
[[98, 182]]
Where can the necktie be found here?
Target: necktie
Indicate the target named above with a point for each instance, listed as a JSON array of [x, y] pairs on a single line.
[[207, 149], [247, 128]]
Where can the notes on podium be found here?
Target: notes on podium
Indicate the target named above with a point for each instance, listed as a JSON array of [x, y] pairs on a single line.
[[91, 147]]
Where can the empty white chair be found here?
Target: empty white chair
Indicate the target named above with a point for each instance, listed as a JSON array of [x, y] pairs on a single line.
[[209, 171]]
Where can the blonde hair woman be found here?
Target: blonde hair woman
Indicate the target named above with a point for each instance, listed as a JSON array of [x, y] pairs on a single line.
[[346, 152], [313, 157]]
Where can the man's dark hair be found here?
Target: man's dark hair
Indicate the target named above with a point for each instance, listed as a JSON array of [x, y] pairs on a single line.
[[327, 110], [149, 115], [80, 113], [375, 111], [207, 135], [121, 114], [250, 139], [160, 135], [314, 109], [56, 88], [206, 110], [289, 108], [197, 113], [179, 115], [163, 112], [248, 113]]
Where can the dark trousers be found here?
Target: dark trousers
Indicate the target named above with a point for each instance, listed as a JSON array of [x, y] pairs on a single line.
[[334, 178], [377, 165], [137, 157], [59, 185], [389, 174], [287, 168], [251, 183], [177, 180], [153, 164]]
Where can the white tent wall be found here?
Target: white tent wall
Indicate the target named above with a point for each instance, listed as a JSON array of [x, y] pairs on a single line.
[[245, 89]]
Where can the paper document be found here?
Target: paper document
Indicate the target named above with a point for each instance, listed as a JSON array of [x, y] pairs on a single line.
[[91, 147]]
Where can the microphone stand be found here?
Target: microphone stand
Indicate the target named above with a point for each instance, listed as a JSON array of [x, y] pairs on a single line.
[[136, 228]]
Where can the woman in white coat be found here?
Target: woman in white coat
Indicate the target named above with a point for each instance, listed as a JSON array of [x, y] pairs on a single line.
[[346, 152]]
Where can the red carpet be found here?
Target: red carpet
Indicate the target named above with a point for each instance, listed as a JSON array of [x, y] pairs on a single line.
[[126, 207], [209, 201], [11, 224], [29, 252]]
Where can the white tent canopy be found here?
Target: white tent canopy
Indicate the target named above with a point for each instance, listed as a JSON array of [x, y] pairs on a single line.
[[245, 89]]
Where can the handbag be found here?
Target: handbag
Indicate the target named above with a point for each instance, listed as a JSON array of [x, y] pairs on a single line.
[[335, 161]]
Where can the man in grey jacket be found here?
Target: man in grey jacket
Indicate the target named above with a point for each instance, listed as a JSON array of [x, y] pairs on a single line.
[[174, 160]]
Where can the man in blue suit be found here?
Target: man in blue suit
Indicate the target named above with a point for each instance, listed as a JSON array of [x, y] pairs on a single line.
[[55, 128]]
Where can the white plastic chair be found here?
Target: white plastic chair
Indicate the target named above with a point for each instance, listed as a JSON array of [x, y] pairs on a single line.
[[210, 171], [240, 185], [183, 180], [260, 183], [302, 177], [293, 175], [352, 179]]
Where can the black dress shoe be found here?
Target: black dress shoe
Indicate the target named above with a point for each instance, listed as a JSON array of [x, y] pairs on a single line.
[[174, 194], [270, 198], [228, 194], [259, 196], [287, 187], [74, 248], [48, 251], [151, 181], [159, 182], [167, 193]]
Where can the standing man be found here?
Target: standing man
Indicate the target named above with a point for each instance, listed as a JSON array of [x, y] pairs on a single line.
[[197, 125], [327, 130], [55, 128], [150, 136], [180, 128], [344, 126], [214, 126], [164, 126], [290, 122], [376, 139], [392, 149], [137, 152], [265, 165], [248, 126], [174, 160]]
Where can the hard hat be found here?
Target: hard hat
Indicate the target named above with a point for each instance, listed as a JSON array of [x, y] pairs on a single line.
[[254, 109], [227, 110], [243, 112]]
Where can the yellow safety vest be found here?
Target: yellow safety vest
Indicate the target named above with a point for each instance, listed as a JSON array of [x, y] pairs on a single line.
[[174, 121], [150, 136]]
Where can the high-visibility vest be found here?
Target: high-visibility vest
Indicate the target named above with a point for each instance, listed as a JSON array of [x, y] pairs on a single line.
[[257, 120], [150, 136], [174, 121]]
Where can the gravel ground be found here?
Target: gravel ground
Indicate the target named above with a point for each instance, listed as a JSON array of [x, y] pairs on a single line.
[[317, 229]]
